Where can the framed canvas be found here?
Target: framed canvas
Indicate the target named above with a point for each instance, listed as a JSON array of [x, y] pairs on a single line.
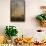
[[17, 10]]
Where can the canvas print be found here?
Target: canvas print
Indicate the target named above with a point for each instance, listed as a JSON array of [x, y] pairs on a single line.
[[17, 10]]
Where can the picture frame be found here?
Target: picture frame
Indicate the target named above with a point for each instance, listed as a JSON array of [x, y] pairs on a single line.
[[17, 10]]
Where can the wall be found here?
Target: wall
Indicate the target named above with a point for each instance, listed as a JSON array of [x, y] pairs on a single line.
[[27, 28]]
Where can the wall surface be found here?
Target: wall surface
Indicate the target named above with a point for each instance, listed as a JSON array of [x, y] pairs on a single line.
[[27, 28]]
